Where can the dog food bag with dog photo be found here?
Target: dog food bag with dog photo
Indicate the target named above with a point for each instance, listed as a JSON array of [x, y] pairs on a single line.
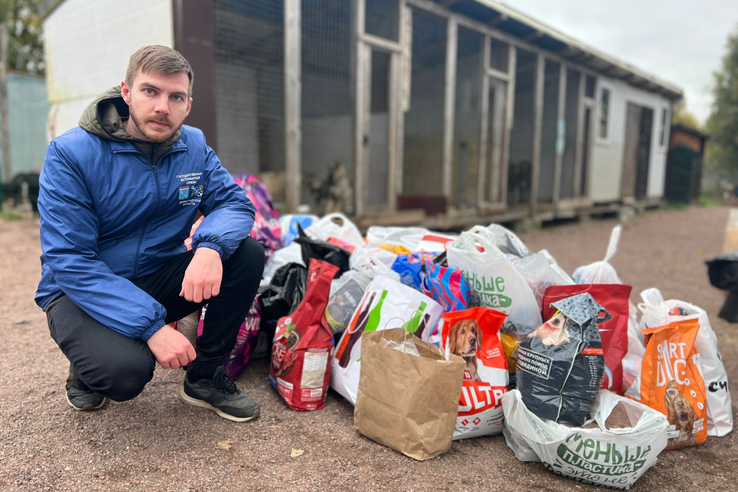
[[300, 369], [494, 279], [473, 335], [386, 304], [561, 364], [671, 381], [614, 450]]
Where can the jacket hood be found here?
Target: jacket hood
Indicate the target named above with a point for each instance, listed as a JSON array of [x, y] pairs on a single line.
[[104, 118]]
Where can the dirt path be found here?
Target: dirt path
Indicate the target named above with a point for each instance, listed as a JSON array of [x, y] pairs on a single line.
[[155, 442]]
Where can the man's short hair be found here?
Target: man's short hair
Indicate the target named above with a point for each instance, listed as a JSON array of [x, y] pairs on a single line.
[[158, 59]]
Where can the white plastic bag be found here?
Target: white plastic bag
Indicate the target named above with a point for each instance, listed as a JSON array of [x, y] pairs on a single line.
[[540, 271], [601, 272], [614, 458], [507, 241], [498, 284], [338, 226], [658, 312], [386, 304], [374, 262], [408, 237]]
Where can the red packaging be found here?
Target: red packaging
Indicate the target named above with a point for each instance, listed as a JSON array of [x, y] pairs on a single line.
[[614, 332], [300, 369]]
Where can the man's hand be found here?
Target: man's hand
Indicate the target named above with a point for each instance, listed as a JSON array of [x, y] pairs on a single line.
[[202, 278], [171, 349]]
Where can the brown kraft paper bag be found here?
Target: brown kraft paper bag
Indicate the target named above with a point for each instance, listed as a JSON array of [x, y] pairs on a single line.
[[407, 402]]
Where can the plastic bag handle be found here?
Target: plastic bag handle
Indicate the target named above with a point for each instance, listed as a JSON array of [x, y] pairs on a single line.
[[612, 248], [481, 235]]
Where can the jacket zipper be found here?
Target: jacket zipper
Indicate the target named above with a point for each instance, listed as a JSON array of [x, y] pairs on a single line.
[[158, 198]]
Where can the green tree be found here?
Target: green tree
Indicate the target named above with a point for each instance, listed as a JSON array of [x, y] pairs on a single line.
[[723, 122], [680, 116], [25, 39]]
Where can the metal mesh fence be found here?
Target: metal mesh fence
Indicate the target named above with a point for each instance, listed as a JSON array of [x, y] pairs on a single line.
[[326, 92], [249, 82], [423, 160]]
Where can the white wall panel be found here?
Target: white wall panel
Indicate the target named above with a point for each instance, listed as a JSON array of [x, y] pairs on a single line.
[[87, 46]]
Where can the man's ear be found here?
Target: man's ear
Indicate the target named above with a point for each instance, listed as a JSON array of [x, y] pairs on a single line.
[[189, 106], [125, 91]]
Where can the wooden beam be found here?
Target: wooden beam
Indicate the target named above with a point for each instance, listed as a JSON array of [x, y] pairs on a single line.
[[560, 126], [498, 74], [498, 20], [533, 36], [579, 154], [292, 104], [537, 131], [449, 106], [510, 122], [484, 120], [359, 89], [4, 133], [381, 43]]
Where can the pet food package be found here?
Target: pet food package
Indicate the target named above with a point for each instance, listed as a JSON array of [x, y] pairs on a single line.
[[300, 369], [248, 336], [613, 332], [495, 280], [386, 304], [671, 381], [620, 445], [266, 228], [472, 335], [657, 312], [561, 364], [345, 298]]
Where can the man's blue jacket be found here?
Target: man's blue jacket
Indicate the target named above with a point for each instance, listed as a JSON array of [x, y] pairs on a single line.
[[111, 212]]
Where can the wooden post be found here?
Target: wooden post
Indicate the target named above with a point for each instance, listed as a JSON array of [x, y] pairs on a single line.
[[449, 106], [484, 121], [579, 155], [512, 64], [7, 167], [292, 104], [560, 133], [537, 131], [359, 89]]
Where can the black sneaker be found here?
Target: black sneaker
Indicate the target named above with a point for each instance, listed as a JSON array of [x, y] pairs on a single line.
[[79, 396], [220, 395]]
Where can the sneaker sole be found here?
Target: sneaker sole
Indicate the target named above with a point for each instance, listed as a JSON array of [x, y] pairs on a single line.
[[86, 408], [201, 403]]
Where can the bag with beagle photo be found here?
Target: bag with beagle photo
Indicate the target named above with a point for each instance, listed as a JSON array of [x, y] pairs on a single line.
[[561, 364], [473, 335], [671, 381]]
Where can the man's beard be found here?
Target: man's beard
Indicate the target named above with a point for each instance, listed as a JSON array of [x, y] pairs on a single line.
[[153, 137]]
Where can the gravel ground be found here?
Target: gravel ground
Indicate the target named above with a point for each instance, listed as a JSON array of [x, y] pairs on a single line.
[[155, 442]]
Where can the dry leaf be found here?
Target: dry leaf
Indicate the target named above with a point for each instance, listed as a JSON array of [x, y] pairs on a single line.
[[226, 444], [296, 452]]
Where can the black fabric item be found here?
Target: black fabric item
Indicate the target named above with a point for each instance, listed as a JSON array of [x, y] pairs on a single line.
[[321, 250], [729, 311], [119, 367], [723, 271], [282, 296]]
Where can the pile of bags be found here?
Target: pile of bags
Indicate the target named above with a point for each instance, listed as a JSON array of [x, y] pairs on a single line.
[[436, 337]]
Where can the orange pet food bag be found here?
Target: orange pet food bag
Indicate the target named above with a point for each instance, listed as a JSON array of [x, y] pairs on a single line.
[[671, 381]]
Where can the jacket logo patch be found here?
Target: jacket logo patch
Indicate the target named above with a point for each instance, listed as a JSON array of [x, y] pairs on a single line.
[[184, 192], [196, 191]]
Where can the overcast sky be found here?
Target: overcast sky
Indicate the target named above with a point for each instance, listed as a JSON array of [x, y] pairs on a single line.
[[681, 41]]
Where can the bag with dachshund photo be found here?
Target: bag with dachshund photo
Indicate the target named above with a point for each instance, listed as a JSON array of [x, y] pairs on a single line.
[[473, 335], [300, 369], [671, 381], [386, 303], [561, 364]]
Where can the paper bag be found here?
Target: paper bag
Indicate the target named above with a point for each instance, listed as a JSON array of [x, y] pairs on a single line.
[[407, 402]]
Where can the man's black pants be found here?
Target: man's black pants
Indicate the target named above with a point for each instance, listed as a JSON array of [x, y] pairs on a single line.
[[119, 367]]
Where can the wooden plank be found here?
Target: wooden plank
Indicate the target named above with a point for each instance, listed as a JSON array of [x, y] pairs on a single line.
[[359, 88], [498, 74], [498, 129], [381, 43], [579, 154], [403, 84], [537, 131], [484, 120], [510, 122], [449, 106], [7, 164], [561, 117], [393, 108], [292, 104]]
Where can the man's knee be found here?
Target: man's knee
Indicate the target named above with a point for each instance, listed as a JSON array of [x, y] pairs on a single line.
[[248, 257], [120, 378]]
